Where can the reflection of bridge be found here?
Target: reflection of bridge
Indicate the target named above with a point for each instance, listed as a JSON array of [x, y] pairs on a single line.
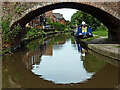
[[106, 12]]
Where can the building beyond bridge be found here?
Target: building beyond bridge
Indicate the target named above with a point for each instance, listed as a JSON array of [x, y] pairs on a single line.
[[41, 20]]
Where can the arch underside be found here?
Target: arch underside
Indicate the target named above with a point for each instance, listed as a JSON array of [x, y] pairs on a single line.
[[111, 22]]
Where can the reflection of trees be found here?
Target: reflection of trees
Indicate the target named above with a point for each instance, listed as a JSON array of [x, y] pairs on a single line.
[[60, 39], [37, 48], [16, 69], [27, 57], [92, 63], [33, 56], [57, 41], [72, 40]]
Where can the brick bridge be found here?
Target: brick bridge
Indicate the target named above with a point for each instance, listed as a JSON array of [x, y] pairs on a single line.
[[107, 12]]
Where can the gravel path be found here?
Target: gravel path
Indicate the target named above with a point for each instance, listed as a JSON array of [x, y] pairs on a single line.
[[101, 40]]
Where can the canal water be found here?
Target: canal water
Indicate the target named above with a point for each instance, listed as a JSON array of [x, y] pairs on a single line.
[[57, 61]]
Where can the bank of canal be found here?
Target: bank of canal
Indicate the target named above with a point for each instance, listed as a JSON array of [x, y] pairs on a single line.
[[57, 62], [103, 47]]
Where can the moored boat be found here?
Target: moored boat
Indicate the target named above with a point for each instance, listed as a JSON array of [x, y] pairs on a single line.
[[83, 31]]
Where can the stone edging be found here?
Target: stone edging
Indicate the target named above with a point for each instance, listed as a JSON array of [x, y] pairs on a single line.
[[104, 50]]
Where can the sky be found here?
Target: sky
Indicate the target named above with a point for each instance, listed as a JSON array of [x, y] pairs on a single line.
[[67, 13]]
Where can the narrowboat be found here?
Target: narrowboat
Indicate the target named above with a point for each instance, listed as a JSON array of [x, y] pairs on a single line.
[[83, 31]]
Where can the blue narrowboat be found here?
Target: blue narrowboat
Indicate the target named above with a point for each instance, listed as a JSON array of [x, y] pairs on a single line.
[[83, 31]]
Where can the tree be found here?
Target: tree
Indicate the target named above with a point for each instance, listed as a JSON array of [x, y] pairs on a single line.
[[58, 26], [68, 22], [80, 16], [48, 20]]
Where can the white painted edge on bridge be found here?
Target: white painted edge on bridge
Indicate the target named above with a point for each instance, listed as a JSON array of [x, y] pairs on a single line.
[[59, 0]]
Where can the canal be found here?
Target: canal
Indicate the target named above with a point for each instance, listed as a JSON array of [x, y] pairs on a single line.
[[57, 61]]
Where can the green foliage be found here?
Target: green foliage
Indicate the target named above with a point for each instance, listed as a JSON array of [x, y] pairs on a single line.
[[56, 30], [102, 27], [7, 50], [80, 16], [117, 46], [14, 33], [5, 28], [20, 8], [6, 35], [16, 30], [102, 31], [66, 29], [48, 20], [41, 32], [32, 31], [68, 22], [58, 26], [31, 46], [106, 39]]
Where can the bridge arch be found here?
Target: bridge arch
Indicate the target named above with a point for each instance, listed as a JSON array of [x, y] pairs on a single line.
[[110, 21]]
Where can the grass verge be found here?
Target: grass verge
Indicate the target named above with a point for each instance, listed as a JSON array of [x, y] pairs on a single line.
[[100, 32], [89, 39], [117, 46]]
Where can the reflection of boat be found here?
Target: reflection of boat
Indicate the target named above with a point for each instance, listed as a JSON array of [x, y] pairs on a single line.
[[80, 49], [83, 31]]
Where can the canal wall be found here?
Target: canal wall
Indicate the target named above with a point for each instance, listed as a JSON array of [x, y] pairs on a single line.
[[39, 35], [109, 50]]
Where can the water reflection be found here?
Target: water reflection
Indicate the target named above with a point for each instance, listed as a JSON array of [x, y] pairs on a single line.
[[82, 50], [62, 64], [59, 60], [33, 57]]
